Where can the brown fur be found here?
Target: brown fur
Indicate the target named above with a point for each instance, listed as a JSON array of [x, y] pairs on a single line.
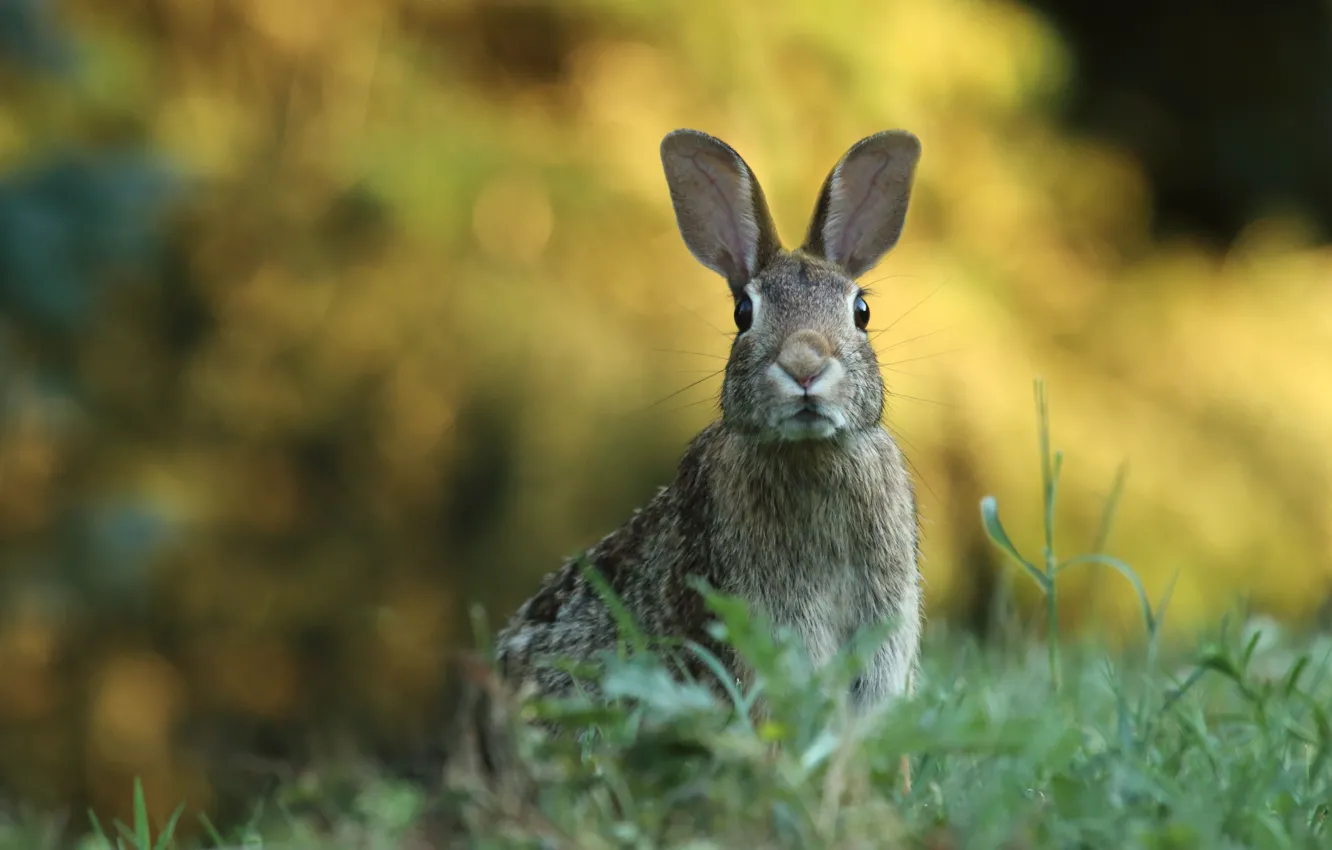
[[814, 525]]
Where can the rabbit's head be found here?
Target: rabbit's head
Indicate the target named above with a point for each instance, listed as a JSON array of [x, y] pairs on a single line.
[[801, 365]]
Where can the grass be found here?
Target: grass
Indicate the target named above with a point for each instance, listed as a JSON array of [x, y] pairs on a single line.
[[1039, 745]]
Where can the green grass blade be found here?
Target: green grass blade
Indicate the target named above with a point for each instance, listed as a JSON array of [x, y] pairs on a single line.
[[211, 831], [1131, 575], [97, 828], [1049, 467], [481, 634], [989, 508], [630, 631], [169, 831], [1110, 510], [714, 664], [142, 831]]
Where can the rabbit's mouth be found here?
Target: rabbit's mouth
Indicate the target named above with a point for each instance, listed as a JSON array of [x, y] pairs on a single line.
[[808, 416], [808, 423]]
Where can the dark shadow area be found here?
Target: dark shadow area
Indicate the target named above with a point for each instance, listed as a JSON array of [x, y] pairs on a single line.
[[1227, 105]]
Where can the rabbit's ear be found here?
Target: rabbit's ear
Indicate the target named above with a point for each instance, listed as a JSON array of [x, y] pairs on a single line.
[[719, 206], [863, 204]]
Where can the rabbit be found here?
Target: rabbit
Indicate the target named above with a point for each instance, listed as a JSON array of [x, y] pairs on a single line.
[[796, 499]]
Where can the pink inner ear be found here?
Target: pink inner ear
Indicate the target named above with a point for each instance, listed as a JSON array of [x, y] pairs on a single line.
[[729, 211], [857, 191]]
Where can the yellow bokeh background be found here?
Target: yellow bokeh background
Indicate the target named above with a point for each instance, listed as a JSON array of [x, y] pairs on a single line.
[[445, 333]]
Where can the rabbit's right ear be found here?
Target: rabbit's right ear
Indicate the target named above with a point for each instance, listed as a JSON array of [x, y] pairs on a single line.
[[863, 204], [719, 206]]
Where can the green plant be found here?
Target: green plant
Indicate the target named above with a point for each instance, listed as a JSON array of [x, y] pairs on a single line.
[[1050, 564], [141, 836]]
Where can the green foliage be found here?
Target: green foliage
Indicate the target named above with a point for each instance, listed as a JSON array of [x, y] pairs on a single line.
[[140, 837], [1125, 754], [1229, 749]]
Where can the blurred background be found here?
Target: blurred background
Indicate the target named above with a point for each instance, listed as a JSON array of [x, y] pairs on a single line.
[[320, 323]]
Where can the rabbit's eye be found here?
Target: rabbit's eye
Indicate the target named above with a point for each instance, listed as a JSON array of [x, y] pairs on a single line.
[[861, 313], [744, 314]]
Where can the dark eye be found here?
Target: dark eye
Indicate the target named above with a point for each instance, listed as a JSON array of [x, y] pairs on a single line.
[[861, 312], [744, 314]]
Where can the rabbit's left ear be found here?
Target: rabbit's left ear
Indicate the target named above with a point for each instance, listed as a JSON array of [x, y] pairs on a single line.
[[863, 204], [719, 206]]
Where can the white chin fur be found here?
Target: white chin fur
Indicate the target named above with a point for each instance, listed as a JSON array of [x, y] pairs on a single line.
[[793, 431]]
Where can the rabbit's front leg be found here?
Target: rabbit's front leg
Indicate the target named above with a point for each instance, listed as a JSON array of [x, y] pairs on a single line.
[[891, 674], [887, 676]]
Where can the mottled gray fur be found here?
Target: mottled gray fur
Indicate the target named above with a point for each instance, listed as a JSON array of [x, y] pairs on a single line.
[[797, 500]]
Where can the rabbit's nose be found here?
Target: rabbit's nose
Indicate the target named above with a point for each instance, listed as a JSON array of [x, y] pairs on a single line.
[[804, 356]]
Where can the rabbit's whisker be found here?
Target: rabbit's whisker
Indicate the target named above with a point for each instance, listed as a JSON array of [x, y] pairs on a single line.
[[894, 322], [905, 373], [710, 399], [699, 316], [901, 438], [683, 389], [694, 353], [902, 342], [923, 357], [894, 276], [891, 394]]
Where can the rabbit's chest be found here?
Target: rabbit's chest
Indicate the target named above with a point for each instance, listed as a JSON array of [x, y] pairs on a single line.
[[824, 613], [823, 585], [825, 550]]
